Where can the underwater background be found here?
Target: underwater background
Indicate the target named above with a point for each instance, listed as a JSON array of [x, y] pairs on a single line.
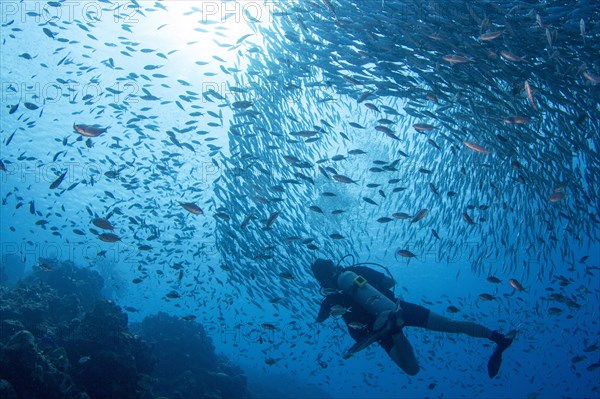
[[170, 169]]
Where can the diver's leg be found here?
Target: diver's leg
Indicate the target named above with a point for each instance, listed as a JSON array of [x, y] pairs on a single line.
[[401, 352], [438, 322]]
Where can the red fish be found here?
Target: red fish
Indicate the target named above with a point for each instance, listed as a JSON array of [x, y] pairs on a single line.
[[467, 218], [191, 207], [405, 253], [516, 285], [516, 119], [59, 180], [557, 196], [455, 59], [489, 36], [343, 179], [89, 130], [423, 127], [510, 56], [109, 237], [420, 215], [529, 92], [103, 224], [476, 147]]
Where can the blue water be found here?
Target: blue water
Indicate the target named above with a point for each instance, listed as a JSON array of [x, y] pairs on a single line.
[[166, 79]]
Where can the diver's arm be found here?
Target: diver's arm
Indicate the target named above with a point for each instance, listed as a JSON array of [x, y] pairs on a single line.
[[323, 312], [325, 309], [327, 304]]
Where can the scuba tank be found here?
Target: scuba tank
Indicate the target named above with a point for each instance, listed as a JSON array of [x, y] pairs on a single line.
[[386, 312], [370, 298]]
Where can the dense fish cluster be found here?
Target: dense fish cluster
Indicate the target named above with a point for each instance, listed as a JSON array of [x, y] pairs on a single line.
[[479, 119], [401, 132]]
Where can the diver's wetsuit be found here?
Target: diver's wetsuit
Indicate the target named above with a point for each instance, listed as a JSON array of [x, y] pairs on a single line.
[[360, 321], [413, 315]]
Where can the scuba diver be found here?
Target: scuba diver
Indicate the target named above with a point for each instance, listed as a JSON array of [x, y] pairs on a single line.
[[363, 297]]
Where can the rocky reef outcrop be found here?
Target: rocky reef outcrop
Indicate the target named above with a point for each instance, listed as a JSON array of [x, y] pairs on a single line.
[[60, 339]]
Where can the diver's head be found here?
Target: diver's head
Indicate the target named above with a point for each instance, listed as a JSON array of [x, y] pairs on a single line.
[[326, 272]]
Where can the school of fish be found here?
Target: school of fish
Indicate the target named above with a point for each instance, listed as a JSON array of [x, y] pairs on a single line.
[[418, 132]]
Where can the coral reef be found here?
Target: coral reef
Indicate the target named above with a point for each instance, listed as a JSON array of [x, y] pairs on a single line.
[[187, 366], [60, 339]]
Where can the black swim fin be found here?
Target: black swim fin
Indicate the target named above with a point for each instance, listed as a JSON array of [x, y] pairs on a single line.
[[496, 359]]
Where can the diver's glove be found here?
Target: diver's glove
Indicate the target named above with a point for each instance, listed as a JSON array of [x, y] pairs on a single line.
[[389, 321], [396, 319], [399, 316], [384, 324]]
